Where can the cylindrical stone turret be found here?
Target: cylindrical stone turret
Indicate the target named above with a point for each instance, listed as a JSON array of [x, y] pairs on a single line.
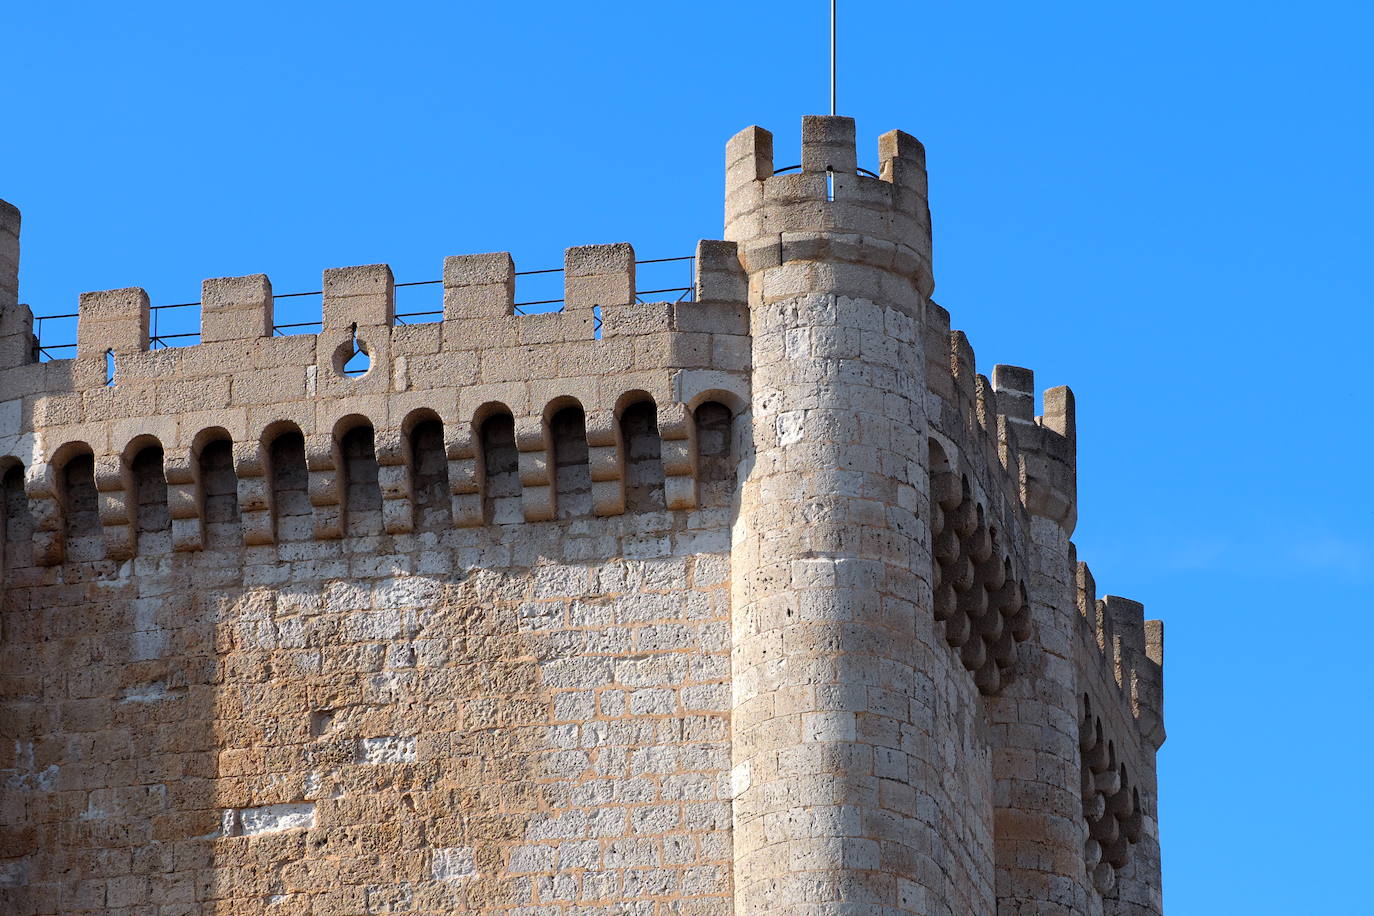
[[838, 676]]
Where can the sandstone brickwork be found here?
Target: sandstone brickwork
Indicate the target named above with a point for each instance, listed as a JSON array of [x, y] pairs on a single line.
[[759, 601]]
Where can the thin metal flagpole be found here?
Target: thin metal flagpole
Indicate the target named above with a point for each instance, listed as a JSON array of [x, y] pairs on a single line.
[[832, 58]]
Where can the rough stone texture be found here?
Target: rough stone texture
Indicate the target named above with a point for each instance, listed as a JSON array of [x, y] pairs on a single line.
[[762, 602]]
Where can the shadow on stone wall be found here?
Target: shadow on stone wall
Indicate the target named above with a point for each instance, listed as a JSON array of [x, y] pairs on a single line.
[[107, 722]]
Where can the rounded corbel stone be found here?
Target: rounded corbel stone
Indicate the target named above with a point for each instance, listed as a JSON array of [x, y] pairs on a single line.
[[395, 478], [114, 500], [254, 492], [322, 466], [605, 462], [184, 500], [40, 487], [537, 496], [466, 475]]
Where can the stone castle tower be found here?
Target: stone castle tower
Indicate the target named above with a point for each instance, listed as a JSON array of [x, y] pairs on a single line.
[[758, 602]]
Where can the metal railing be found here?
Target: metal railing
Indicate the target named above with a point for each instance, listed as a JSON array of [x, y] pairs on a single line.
[[860, 170], [46, 349], [157, 340], [684, 292]]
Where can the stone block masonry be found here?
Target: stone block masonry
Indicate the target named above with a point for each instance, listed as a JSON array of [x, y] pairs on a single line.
[[763, 601]]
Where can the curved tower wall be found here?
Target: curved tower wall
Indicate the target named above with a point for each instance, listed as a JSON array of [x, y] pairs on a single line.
[[852, 781]]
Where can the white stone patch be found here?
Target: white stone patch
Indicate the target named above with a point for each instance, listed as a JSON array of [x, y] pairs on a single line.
[[454, 863], [646, 547], [740, 778], [41, 781], [790, 427], [45, 779], [155, 692], [389, 682], [145, 613], [268, 819], [14, 873], [388, 749], [312, 785]]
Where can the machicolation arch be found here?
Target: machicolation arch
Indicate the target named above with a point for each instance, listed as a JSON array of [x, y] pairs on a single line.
[[1111, 804], [977, 596], [347, 493]]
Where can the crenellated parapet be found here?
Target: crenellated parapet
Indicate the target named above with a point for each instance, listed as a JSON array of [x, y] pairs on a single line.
[[601, 354], [998, 461], [9, 255], [1030, 461], [1047, 444], [833, 223], [1119, 657], [972, 437], [1124, 654]]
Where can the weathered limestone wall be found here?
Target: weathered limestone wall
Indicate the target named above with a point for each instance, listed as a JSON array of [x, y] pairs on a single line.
[[762, 601], [449, 636], [373, 724]]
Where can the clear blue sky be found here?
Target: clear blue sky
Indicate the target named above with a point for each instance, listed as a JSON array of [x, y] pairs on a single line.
[[1165, 205]]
